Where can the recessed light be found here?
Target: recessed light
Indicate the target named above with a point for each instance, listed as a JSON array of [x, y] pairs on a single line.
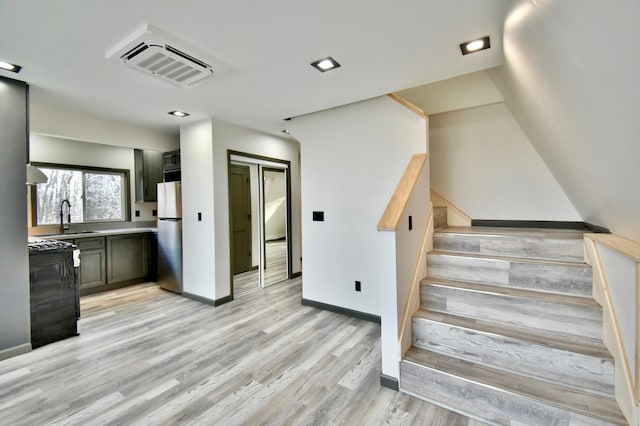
[[475, 45], [325, 64], [10, 67], [179, 113], [286, 132]]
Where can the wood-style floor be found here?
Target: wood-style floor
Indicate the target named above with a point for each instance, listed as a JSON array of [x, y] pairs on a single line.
[[276, 271], [146, 357]]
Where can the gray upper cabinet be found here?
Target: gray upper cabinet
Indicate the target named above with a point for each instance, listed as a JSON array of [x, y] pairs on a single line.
[[148, 168]]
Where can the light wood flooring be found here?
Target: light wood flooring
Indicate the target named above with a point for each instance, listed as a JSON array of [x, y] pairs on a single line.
[[146, 357], [276, 271]]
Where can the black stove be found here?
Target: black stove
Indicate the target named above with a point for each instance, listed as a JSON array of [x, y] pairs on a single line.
[[49, 246]]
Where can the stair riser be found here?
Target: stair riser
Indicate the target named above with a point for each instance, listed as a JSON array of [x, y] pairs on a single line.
[[518, 356], [484, 402], [558, 278], [570, 319], [569, 250]]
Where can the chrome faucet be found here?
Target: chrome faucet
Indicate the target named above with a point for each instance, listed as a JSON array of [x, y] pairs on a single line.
[[62, 227]]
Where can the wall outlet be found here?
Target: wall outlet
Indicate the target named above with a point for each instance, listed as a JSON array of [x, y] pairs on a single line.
[[358, 286], [154, 212], [199, 216], [137, 213]]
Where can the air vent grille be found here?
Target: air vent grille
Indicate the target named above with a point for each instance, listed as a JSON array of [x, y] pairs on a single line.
[[154, 52], [169, 65]]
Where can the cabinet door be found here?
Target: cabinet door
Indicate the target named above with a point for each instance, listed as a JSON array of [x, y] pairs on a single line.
[[152, 174], [93, 268], [127, 257]]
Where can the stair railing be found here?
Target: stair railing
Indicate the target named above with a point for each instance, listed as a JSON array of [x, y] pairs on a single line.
[[409, 224], [616, 286]]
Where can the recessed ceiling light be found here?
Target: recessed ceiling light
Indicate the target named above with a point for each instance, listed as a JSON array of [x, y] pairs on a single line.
[[325, 64], [475, 45], [179, 113], [10, 67], [286, 132]]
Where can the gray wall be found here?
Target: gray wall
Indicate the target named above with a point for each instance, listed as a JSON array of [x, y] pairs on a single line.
[[15, 333]]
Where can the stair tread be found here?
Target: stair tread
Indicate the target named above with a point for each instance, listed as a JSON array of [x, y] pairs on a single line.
[[514, 232], [544, 296], [508, 258], [556, 340], [548, 393]]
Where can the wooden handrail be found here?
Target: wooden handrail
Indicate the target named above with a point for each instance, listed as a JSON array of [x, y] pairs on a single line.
[[624, 246], [408, 105], [398, 202]]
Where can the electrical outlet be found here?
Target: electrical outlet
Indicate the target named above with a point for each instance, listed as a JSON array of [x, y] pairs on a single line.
[[154, 212], [137, 213], [358, 286], [199, 217]]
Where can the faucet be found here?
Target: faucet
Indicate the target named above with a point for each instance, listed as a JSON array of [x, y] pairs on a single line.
[[62, 227]]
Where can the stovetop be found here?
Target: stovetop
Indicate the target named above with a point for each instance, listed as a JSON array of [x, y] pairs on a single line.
[[49, 246]]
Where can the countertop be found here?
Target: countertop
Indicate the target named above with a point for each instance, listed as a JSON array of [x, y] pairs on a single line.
[[90, 234]]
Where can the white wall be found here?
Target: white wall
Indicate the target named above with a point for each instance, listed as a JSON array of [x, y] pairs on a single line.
[[483, 163], [48, 149], [275, 226], [228, 136], [465, 91], [620, 272], [353, 159], [571, 79], [74, 136], [53, 120], [204, 146], [198, 237], [255, 215]]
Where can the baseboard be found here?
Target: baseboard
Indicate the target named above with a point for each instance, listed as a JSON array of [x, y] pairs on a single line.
[[341, 310], [222, 300], [548, 224], [389, 382], [596, 229], [108, 287], [15, 351]]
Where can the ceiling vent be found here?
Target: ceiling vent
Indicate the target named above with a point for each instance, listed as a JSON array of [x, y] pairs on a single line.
[[156, 53]]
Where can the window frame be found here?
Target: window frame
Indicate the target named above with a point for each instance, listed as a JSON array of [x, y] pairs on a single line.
[[75, 167]]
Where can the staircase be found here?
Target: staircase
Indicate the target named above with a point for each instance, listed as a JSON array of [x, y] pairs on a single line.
[[508, 332]]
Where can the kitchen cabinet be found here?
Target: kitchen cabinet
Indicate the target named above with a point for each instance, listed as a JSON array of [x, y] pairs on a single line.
[[114, 261], [93, 262], [148, 173], [127, 257]]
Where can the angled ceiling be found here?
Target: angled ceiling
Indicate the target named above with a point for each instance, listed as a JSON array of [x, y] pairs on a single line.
[[382, 46]]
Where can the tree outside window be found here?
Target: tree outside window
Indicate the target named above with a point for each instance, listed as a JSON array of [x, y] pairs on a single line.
[[95, 196]]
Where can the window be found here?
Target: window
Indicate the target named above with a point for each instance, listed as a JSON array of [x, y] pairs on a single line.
[[95, 195]]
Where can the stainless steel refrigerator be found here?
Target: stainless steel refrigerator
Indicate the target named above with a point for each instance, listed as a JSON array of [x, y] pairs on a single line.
[[170, 236]]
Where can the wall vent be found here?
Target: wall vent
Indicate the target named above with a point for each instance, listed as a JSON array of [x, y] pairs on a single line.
[[154, 52]]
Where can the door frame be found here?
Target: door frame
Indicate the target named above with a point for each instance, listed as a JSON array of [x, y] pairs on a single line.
[[260, 160]]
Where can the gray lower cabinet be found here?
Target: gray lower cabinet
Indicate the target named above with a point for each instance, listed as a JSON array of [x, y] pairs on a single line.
[[93, 262], [112, 261], [127, 257]]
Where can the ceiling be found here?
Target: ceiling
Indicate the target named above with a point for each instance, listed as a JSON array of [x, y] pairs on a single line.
[[383, 46]]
